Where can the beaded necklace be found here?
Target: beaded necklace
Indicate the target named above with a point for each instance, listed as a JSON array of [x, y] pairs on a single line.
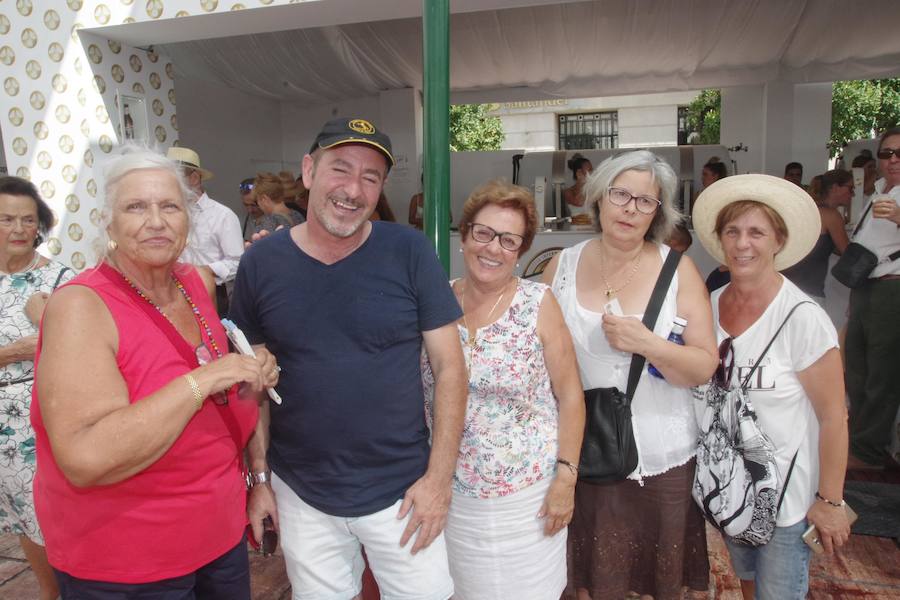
[[194, 309]]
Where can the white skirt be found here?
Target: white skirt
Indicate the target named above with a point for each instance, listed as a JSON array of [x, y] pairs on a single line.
[[497, 548]]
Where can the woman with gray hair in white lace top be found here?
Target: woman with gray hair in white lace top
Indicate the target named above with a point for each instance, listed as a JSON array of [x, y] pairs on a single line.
[[643, 533]]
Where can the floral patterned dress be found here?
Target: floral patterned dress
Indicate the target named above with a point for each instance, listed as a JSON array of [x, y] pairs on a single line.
[[510, 437], [16, 436]]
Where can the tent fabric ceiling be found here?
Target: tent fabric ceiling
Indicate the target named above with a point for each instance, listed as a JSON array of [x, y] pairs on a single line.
[[599, 48]]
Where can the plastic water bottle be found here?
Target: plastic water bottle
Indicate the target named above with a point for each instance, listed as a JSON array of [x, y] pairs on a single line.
[[674, 337]]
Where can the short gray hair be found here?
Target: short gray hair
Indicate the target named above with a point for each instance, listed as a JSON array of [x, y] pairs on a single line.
[[666, 217], [127, 159]]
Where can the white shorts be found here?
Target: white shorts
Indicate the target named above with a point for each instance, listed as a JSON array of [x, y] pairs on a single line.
[[324, 562]]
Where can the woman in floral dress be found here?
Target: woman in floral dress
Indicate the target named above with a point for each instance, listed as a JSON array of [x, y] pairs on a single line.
[[26, 280], [513, 490]]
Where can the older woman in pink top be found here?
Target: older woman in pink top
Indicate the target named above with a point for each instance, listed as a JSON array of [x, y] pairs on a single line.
[[139, 425]]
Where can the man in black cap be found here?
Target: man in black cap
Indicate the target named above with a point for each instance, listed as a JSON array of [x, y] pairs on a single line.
[[346, 305]]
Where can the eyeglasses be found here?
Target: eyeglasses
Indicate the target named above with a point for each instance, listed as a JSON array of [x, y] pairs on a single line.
[[204, 357], [484, 234], [246, 188], [27, 222], [887, 153], [724, 369], [644, 204]]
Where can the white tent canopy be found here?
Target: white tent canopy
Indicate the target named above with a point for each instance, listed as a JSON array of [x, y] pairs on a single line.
[[604, 47]]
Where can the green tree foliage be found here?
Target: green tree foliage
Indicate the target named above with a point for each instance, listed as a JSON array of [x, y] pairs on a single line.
[[704, 116], [862, 109], [471, 128]]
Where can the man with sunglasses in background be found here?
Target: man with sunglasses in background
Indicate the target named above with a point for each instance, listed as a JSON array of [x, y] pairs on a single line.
[[873, 326], [215, 241], [347, 305]]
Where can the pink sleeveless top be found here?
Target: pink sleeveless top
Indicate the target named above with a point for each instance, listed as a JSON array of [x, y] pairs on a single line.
[[180, 513]]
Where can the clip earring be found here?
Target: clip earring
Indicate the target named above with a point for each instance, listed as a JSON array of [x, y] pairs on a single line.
[[112, 245], [460, 250]]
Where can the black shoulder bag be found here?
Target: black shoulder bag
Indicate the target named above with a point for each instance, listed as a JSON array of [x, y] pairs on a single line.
[[608, 452], [856, 261]]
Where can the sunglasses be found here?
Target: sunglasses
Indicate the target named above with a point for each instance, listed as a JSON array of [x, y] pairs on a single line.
[[887, 153], [246, 188], [725, 368]]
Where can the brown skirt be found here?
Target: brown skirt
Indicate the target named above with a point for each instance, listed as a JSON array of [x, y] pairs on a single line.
[[627, 538]]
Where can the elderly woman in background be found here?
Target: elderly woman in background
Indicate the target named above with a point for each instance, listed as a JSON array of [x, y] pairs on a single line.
[[642, 534], [26, 280], [138, 421], [515, 477], [757, 225], [873, 341]]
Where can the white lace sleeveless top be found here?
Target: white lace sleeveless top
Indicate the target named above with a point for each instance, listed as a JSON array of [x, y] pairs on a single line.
[[665, 429]]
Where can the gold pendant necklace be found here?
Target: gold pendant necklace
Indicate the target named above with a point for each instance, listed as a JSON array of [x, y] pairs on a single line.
[[473, 335], [610, 291]]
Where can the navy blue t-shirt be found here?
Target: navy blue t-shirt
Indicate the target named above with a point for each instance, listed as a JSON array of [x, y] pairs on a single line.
[[350, 436]]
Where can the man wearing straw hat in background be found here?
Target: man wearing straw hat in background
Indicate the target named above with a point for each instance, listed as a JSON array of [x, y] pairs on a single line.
[[216, 240]]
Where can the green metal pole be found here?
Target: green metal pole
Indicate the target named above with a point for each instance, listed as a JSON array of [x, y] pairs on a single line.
[[436, 76]]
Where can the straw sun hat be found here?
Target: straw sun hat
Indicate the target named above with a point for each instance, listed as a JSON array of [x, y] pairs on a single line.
[[188, 158], [791, 202]]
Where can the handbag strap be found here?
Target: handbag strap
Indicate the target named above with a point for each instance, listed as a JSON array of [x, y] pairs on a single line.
[[861, 219], [891, 257], [650, 317], [59, 277], [178, 342], [772, 341], [786, 480], [162, 323]]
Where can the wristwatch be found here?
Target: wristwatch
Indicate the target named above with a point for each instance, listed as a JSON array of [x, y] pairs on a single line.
[[254, 479]]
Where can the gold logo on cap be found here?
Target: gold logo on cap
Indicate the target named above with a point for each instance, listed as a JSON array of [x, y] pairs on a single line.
[[361, 126]]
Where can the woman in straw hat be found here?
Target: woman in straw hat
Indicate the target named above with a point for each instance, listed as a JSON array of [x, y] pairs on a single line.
[[641, 534], [758, 225]]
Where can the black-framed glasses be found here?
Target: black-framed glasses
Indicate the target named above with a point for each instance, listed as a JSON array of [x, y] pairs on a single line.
[[204, 357], [246, 188], [887, 153], [484, 234], [726, 363], [621, 197]]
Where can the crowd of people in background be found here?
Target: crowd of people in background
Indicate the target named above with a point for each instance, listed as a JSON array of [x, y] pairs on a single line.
[[437, 425]]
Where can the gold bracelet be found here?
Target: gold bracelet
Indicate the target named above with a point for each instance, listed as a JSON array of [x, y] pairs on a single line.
[[195, 389]]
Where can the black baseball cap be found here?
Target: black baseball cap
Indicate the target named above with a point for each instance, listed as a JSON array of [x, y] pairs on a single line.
[[345, 130]]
